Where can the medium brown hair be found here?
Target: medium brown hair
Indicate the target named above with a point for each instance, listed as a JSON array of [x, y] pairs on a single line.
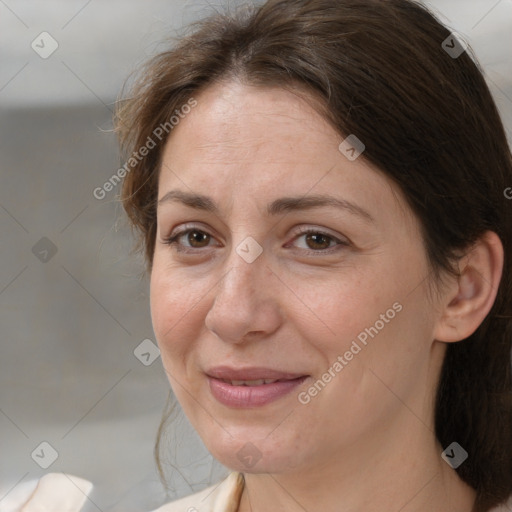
[[428, 122]]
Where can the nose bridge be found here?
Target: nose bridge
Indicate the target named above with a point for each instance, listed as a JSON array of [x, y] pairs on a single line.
[[244, 273], [246, 260], [242, 302]]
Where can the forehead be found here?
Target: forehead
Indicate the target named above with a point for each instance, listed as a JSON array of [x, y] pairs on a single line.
[[244, 140], [244, 122]]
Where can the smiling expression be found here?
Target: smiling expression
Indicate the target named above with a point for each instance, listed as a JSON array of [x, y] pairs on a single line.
[[273, 253]]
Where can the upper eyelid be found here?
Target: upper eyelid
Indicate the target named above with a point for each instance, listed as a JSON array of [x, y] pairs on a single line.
[[302, 231], [187, 227]]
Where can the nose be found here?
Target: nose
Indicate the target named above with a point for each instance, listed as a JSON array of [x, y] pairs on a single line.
[[246, 301]]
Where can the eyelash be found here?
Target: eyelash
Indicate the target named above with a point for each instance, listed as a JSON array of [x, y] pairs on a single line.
[[173, 240]]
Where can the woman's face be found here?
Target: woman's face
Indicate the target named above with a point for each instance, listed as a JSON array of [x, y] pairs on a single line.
[[340, 315]]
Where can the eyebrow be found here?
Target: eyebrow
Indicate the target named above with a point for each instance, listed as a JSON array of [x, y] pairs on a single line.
[[276, 207]]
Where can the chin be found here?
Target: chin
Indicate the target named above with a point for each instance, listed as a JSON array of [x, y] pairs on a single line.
[[248, 451]]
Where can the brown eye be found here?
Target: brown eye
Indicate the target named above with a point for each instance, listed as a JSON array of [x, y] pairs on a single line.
[[199, 238], [318, 241], [188, 240]]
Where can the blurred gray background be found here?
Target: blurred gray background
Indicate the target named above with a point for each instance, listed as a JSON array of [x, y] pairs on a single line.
[[74, 306]]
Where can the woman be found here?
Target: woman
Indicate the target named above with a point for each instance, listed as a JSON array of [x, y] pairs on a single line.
[[319, 186]]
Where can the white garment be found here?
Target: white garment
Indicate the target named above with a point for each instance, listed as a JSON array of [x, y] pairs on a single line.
[[60, 492], [54, 492]]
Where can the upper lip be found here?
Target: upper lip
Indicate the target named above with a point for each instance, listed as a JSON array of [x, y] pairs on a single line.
[[251, 373]]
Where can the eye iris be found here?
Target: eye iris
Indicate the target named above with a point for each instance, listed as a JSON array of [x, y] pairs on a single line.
[[198, 237], [315, 238]]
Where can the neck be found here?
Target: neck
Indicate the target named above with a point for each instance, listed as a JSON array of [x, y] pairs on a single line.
[[380, 474]]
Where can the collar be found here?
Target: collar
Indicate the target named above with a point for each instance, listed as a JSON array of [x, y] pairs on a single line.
[[221, 497], [229, 493]]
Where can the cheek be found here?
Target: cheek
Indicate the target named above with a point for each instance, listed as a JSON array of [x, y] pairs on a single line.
[[176, 306], [331, 311], [369, 315]]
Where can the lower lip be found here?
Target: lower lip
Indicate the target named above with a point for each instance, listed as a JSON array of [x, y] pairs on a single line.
[[251, 396]]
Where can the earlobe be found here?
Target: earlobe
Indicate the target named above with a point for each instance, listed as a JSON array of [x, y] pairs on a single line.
[[470, 298]]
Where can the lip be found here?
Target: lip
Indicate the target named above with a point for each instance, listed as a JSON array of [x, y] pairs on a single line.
[[251, 396], [250, 373]]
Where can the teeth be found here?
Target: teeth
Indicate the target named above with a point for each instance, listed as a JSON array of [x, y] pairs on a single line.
[[258, 382]]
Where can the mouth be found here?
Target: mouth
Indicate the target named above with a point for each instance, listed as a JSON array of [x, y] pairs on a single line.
[[258, 382], [251, 387]]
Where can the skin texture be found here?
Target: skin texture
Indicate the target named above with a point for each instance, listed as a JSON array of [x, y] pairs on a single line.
[[366, 441]]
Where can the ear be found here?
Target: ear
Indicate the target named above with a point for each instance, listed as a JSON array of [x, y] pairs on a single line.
[[470, 297]]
